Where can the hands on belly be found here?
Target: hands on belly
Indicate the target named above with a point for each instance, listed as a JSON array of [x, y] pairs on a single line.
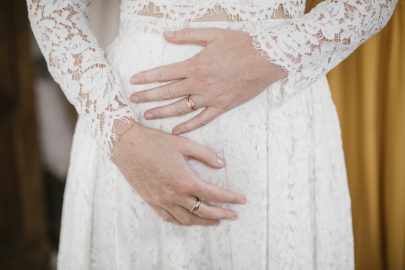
[[155, 164], [227, 72]]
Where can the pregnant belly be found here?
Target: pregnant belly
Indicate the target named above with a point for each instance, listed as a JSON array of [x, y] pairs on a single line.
[[239, 135]]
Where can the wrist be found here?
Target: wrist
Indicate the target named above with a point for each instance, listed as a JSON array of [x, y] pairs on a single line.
[[122, 128]]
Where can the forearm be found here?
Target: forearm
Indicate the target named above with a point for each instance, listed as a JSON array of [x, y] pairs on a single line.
[[78, 65], [309, 46]]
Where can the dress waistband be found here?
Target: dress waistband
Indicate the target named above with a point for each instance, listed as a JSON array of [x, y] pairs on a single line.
[[153, 24]]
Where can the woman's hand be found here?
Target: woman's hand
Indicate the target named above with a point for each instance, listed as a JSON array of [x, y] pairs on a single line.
[[154, 163], [227, 72]]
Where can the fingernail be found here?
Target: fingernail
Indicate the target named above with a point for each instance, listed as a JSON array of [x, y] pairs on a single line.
[[134, 79], [169, 34], [148, 116], [221, 161], [234, 216], [135, 98], [243, 200]]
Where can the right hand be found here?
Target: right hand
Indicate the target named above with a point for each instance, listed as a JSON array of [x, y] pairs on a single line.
[[154, 163]]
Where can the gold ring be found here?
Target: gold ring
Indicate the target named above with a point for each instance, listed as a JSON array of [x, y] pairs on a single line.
[[190, 103], [196, 205]]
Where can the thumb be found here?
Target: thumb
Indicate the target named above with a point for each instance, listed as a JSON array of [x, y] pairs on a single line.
[[198, 36]]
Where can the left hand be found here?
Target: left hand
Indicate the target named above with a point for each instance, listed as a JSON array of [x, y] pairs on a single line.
[[227, 72]]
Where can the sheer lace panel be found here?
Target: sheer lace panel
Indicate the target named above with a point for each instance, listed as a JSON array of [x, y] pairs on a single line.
[[189, 10], [309, 46], [78, 64]]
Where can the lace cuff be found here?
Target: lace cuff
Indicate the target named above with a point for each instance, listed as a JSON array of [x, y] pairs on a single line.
[[79, 66], [309, 46]]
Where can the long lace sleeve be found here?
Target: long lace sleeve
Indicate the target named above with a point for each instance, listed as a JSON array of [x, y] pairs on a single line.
[[79, 66], [309, 46]]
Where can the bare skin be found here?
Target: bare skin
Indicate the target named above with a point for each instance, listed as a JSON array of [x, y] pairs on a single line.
[[227, 72], [154, 164]]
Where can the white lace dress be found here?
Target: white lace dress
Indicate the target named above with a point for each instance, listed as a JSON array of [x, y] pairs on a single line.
[[283, 148]]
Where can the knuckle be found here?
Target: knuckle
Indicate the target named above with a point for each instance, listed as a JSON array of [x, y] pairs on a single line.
[[207, 81], [162, 199], [221, 197], [161, 75], [167, 92], [195, 67], [186, 187], [222, 100], [180, 109], [186, 142], [203, 122], [186, 32], [201, 215], [168, 196]]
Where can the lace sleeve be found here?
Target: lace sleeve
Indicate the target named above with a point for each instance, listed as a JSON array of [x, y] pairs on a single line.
[[309, 46], [79, 66]]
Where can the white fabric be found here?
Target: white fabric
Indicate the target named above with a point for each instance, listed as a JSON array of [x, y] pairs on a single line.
[[307, 46], [283, 148]]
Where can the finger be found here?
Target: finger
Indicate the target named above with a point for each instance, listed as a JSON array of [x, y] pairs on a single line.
[[199, 36], [215, 193], [164, 92], [163, 73], [202, 153], [208, 211], [187, 218], [179, 107], [165, 215], [201, 119]]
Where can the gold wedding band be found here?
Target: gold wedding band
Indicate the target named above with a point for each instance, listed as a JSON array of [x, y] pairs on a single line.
[[190, 103], [196, 205]]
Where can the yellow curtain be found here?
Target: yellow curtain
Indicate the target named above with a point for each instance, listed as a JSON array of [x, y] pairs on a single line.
[[369, 92]]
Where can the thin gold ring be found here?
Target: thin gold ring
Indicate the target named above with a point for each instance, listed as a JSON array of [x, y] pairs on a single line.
[[190, 103], [196, 205]]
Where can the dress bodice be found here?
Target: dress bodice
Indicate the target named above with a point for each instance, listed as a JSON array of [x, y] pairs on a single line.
[[246, 10], [307, 46]]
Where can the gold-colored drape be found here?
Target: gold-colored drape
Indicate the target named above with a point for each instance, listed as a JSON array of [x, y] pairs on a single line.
[[369, 92]]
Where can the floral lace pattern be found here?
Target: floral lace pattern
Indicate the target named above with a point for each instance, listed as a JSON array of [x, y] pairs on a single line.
[[245, 10], [309, 46], [78, 64], [287, 160]]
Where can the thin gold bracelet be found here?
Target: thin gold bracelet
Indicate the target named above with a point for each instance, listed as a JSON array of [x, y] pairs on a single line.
[[119, 136]]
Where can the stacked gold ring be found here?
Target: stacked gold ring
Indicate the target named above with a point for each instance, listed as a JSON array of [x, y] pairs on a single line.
[[190, 103], [196, 205]]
